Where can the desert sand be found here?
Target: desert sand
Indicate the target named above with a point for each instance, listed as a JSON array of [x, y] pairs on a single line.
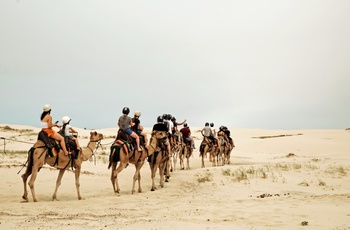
[[277, 179]]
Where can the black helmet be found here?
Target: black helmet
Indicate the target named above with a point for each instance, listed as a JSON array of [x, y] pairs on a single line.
[[159, 119], [169, 116], [185, 125], [211, 124], [221, 128], [206, 123], [126, 110], [173, 119], [165, 116]]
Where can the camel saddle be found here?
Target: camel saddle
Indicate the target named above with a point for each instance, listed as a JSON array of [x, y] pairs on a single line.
[[126, 138], [53, 146]]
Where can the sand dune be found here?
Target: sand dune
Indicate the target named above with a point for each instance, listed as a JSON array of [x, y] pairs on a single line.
[[278, 179]]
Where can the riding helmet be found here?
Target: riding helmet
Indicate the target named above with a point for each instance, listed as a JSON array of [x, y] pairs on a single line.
[[126, 110]]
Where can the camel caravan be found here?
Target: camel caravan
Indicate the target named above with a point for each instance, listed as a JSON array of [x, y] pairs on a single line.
[[166, 146]]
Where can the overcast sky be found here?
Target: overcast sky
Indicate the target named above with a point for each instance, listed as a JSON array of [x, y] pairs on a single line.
[[249, 64]]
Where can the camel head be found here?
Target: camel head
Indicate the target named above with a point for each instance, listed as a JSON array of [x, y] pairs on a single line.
[[94, 136], [159, 134]]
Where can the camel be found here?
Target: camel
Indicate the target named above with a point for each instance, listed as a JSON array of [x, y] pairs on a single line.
[[206, 147], [134, 157], [219, 157], [185, 153], [175, 152], [38, 156], [159, 160], [227, 153]]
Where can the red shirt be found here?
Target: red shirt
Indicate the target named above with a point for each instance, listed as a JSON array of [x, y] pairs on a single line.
[[185, 132]]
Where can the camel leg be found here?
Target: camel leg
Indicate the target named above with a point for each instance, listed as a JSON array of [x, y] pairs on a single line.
[[114, 166], [182, 159], [188, 162], [77, 180], [137, 177], [140, 190], [154, 168], [167, 170], [203, 166], [175, 158], [58, 183], [161, 174], [24, 178], [31, 182], [120, 167]]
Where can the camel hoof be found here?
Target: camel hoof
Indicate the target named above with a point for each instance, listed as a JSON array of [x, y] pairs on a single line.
[[152, 189]]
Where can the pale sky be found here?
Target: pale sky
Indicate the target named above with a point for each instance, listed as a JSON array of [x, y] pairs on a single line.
[[249, 64]]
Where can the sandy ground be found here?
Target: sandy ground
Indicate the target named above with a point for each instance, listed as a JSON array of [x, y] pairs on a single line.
[[277, 179]]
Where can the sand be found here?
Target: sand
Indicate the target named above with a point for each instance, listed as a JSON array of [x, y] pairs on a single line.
[[277, 179]]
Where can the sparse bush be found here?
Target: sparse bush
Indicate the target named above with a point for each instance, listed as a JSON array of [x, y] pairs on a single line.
[[304, 183], [311, 167], [321, 183], [226, 172], [282, 166], [205, 178], [296, 166], [260, 172], [339, 170], [7, 128], [240, 174]]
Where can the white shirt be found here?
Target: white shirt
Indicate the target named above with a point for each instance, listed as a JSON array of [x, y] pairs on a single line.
[[67, 131], [206, 130], [213, 132], [171, 125]]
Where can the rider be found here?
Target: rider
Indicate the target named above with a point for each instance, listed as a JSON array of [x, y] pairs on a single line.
[[213, 133], [186, 135], [46, 124], [222, 134], [160, 126], [68, 131], [228, 136], [206, 131], [175, 130], [137, 128], [169, 125], [125, 124]]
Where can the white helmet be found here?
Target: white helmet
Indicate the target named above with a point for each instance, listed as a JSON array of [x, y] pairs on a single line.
[[47, 108], [137, 113], [65, 120]]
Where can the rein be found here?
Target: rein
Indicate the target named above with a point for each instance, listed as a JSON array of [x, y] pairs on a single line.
[[94, 151]]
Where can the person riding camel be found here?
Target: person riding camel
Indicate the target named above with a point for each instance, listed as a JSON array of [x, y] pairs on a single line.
[[176, 133], [125, 123], [213, 133], [169, 125], [46, 125], [207, 133], [160, 126], [222, 134], [137, 128], [186, 135], [68, 131], [228, 136]]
